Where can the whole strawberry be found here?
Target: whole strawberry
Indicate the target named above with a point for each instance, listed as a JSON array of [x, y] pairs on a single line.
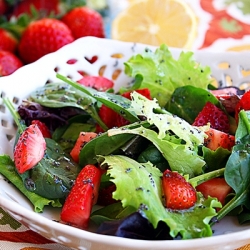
[[84, 21], [44, 7], [42, 37], [8, 63], [7, 41], [3, 7]]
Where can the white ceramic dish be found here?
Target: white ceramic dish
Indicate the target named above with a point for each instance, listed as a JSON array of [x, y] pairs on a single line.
[[228, 234]]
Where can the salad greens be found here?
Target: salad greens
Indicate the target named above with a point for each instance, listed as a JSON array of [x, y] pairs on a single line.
[[160, 72], [164, 124]]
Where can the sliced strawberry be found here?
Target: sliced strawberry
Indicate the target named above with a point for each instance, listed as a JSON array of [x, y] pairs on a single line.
[[213, 115], [44, 129], [83, 195], [216, 187], [105, 196], [145, 92], [179, 194], [244, 103], [217, 139], [83, 138], [29, 149], [97, 82]]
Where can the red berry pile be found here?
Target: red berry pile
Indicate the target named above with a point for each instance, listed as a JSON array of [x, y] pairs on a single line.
[[31, 29]]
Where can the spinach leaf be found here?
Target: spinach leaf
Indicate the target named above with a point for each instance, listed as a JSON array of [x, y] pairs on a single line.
[[237, 171], [186, 102], [54, 175], [58, 95], [104, 144], [118, 103], [8, 169]]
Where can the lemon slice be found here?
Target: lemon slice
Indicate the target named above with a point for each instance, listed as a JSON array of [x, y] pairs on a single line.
[[155, 22]]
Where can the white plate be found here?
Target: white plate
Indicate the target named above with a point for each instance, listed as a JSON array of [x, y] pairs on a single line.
[[228, 234]]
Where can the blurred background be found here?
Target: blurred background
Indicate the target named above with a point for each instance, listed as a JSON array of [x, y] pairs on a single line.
[[213, 25]]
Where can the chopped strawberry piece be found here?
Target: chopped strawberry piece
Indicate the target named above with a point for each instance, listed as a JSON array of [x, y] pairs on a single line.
[[217, 139], [213, 115], [179, 194], [44, 129], [216, 187], [29, 149], [145, 92], [83, 195], [83, 138], [97, 82], [244, 103]]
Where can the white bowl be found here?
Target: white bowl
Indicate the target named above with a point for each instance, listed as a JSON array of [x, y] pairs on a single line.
[[228, 234]]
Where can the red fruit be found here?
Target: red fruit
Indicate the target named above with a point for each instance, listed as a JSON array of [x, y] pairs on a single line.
[[145, 92], [29, 149], [83, 195], [83, 138], [105, 196], [216, 187], [99, 83], [84, 21], [179, 194], [213, 115], [9, 63], [43, 128], [7, 41], [42, 37], [244, 103], [44, 7], [218, 138], [3, 7]]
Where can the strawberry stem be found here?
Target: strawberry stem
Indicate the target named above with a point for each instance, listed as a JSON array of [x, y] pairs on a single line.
[[15, 114]]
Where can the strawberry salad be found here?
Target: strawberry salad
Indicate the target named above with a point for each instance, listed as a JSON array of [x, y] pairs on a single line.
[[165, 158]]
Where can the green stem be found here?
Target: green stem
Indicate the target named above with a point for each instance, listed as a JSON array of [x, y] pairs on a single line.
[[84, 90], [14, 114], [207, 176]]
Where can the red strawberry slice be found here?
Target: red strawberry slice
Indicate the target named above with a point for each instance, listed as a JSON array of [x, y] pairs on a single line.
[[83, 195], [99, 83], [216, 187], [179, 194], [244, 103], [43, 128], [83, 138], [29, 149], [145, 92], [218, 138], [213, 115]]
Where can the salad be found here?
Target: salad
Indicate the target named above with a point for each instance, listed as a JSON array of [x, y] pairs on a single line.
[[167, 152]]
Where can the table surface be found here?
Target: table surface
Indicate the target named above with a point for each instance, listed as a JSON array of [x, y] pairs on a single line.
[[221, 27]]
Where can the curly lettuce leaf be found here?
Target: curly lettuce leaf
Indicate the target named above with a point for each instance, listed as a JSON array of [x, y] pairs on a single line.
[[139, 186], [193, 136], [179, 157], [162, 74], [7, 169]]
